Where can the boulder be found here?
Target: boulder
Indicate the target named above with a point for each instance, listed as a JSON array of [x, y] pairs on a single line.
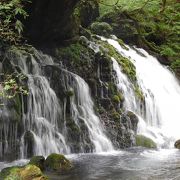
[[144, 141], [177, 144], [38, 161], [57, 162], [101, 28], [29, 172]]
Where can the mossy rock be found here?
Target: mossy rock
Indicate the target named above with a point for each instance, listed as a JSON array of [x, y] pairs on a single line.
[[29, 172], [69, 93], [145, 142], [38, 161], [116, 99], [138, 92], [57, 162], [127, 66], [177, 144], [101, 28]]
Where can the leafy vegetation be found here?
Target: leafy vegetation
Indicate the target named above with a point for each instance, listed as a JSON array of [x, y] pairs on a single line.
[[155, 23], [11, 15], [9, 88]]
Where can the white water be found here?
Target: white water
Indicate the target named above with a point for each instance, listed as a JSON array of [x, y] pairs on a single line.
[[160, 117], [43, 110], [83, 109], [44, 113]]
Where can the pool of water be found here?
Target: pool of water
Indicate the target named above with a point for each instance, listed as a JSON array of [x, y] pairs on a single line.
[[131, 164]]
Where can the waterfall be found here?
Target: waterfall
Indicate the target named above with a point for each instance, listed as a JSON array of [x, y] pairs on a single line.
[[82, 108], [44, 114], [43, 110], [159, 118]]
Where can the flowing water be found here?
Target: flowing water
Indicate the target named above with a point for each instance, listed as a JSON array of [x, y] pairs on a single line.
[[159, 117], [132, 164], [82, 108], [45, 116]]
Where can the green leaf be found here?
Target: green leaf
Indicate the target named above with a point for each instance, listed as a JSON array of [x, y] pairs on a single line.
[[19, 27]]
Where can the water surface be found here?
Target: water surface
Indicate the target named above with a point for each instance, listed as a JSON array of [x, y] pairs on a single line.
[[133, 164]]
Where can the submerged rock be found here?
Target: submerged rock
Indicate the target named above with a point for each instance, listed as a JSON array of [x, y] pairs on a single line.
[[177, 144], [145, 142], [57, 162]]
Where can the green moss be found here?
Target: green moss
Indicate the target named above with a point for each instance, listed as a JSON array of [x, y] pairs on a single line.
[[72, 52], [115, 115], [101, 28], [7, 171], [21, 173], [76, 56], [112, 88], [126, 65], [70, 93], [176, 65], [57, 162], [121, 43], [116, 99], [138, 92], [145, 142]]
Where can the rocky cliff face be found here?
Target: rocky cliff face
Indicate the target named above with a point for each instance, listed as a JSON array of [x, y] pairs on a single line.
[[56, 21]]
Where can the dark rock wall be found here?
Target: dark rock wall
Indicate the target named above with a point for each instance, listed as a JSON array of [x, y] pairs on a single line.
[[58, 20]]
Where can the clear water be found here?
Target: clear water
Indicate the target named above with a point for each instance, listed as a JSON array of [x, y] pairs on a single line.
[[133, 164]]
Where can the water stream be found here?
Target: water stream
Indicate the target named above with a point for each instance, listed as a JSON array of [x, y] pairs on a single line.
[[44, 114], [159, 117]]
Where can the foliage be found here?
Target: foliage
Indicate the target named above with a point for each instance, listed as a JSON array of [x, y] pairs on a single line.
[[9, 88], [155, 21], [11, 14], [101, 28]]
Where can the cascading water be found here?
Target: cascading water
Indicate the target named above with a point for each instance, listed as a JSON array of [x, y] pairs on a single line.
[[43, 111], [82, 108], [160, 116], [44, 116]]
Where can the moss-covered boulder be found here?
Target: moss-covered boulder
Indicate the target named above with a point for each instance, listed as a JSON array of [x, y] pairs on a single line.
[[145, 142], [177, 144], [38, 161], [57, 162], [29, 172], [101, 28]]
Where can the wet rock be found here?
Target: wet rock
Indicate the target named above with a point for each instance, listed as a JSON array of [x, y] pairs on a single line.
[[29, 143], [145, 142], [57, 162], [29, 172], [134, 120], [38, 161], [177, 144], [49, 21]]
